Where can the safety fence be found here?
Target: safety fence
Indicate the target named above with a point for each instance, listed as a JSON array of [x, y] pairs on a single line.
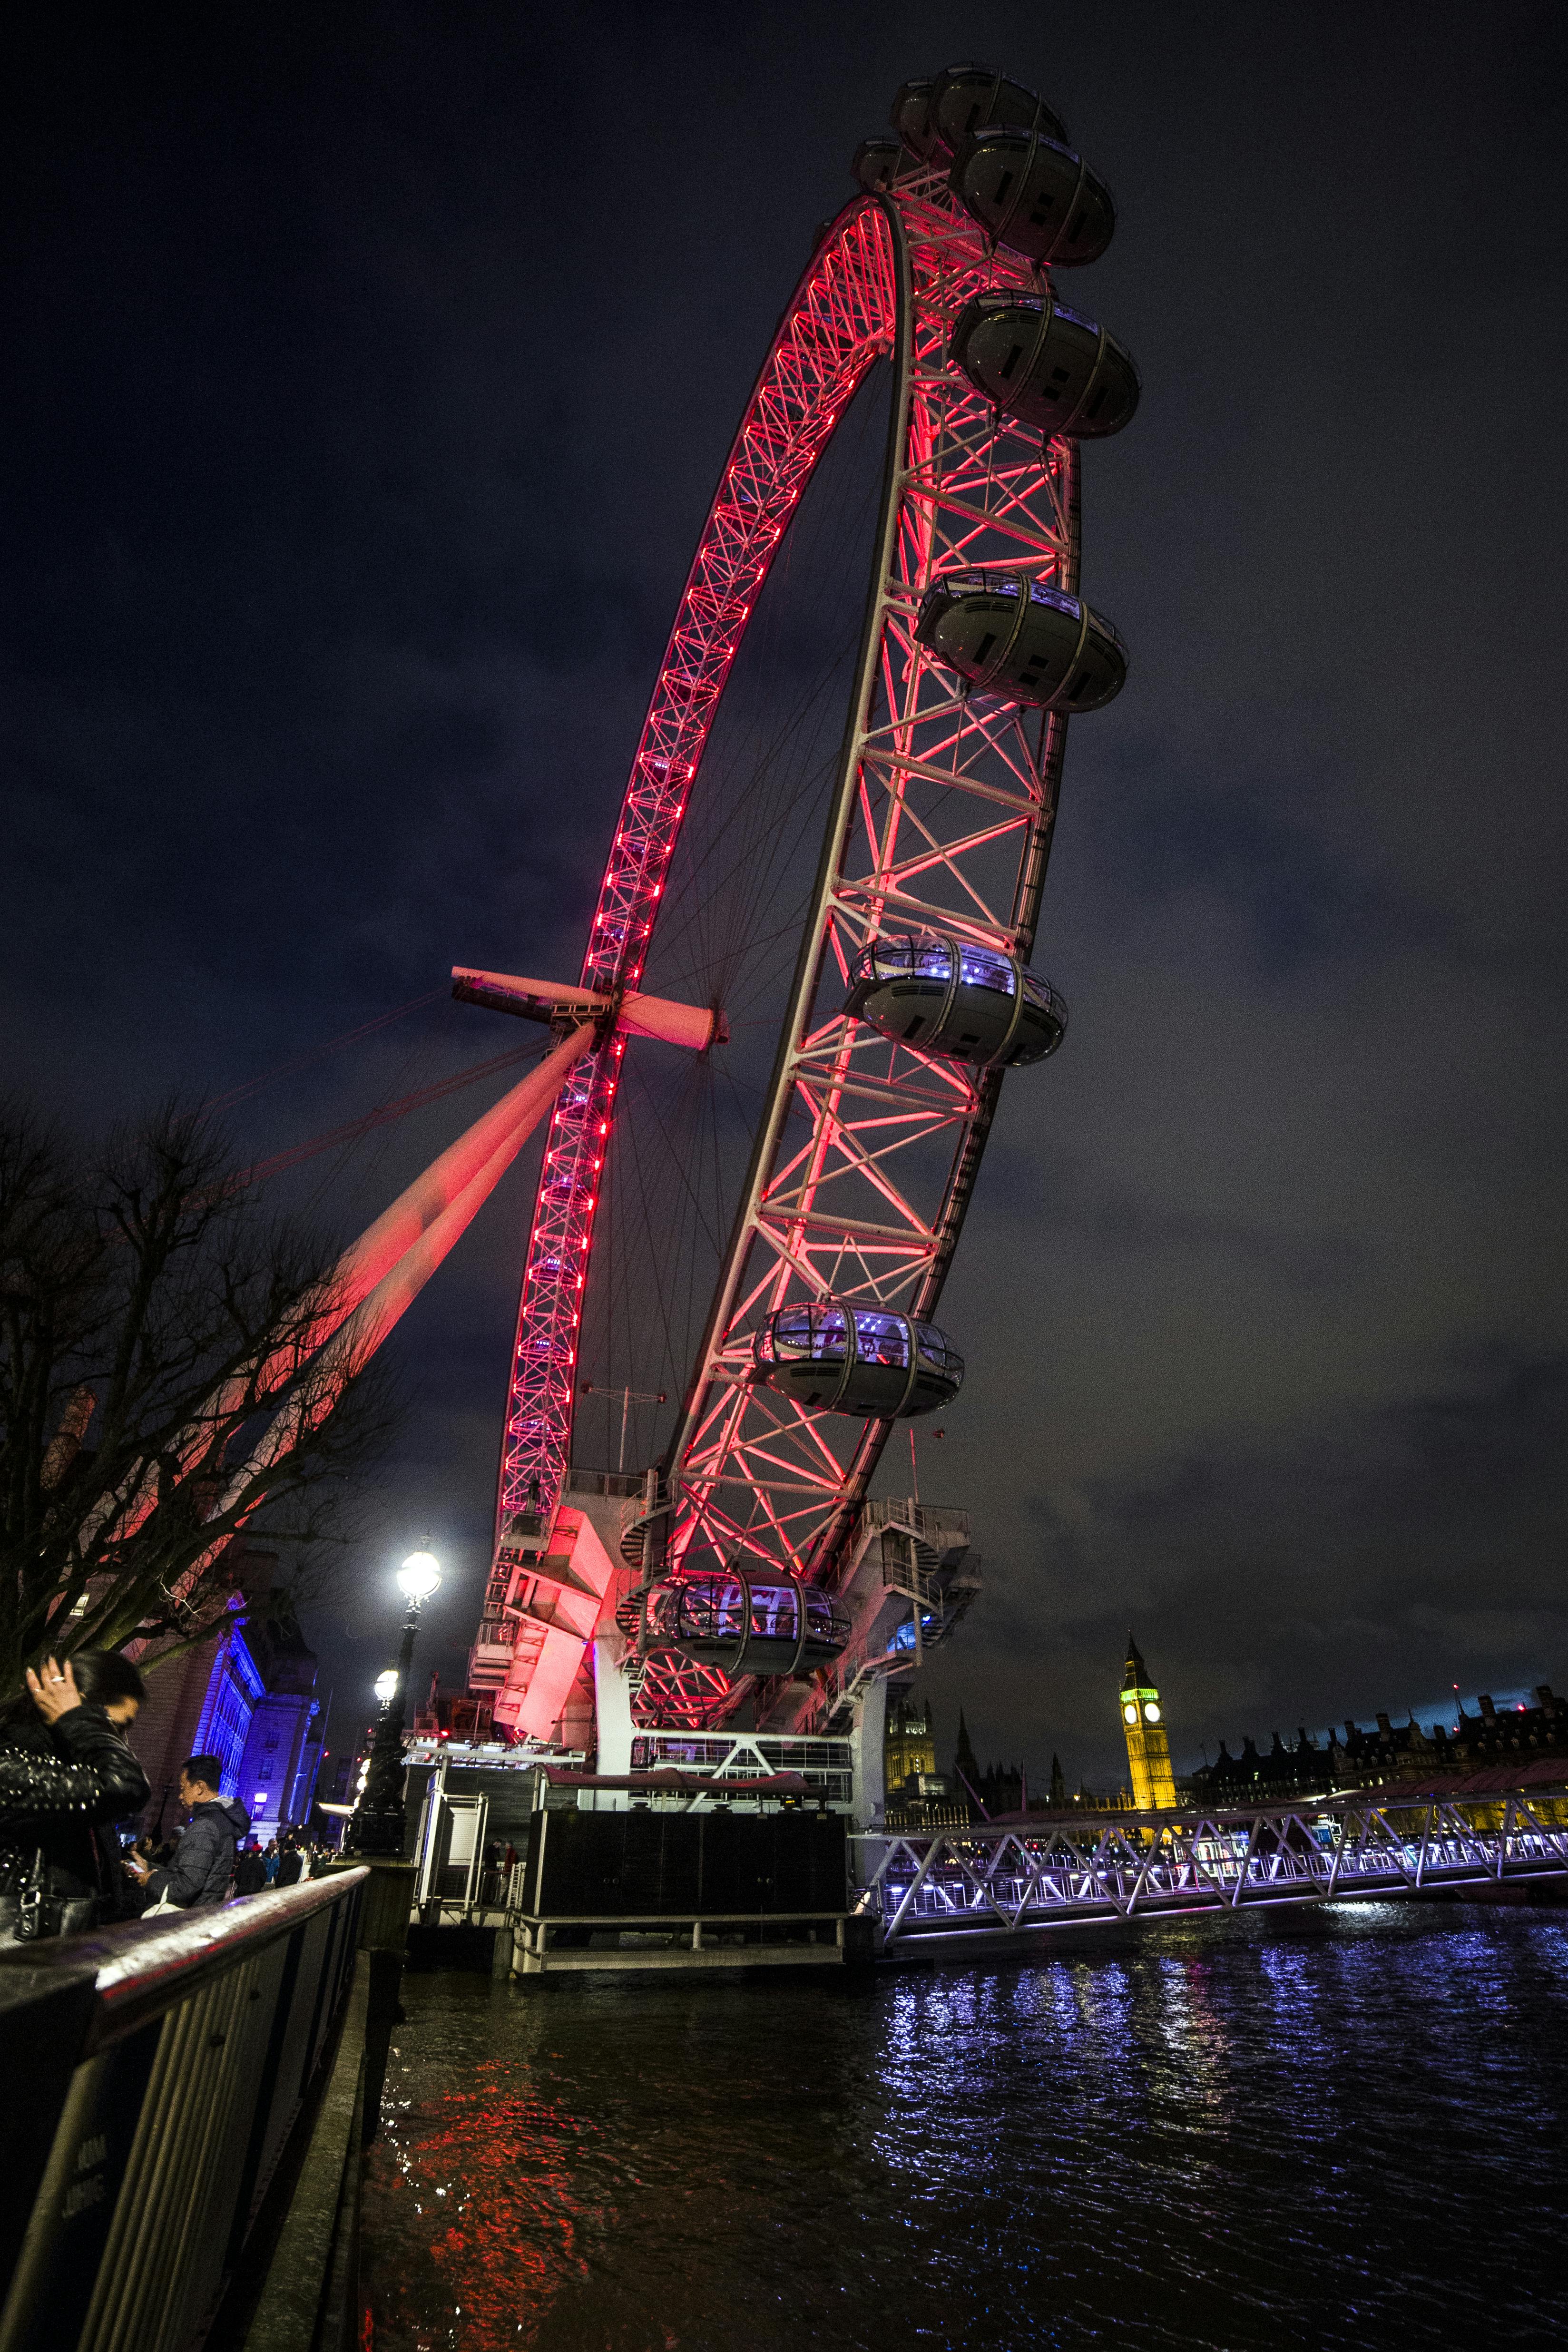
[[921, 1889], [161, 2079]]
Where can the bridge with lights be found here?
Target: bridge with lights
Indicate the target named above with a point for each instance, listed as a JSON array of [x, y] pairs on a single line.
[[951, 1891]]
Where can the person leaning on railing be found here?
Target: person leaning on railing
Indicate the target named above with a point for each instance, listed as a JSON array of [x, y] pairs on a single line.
[[202, 1871], [66, 1775]]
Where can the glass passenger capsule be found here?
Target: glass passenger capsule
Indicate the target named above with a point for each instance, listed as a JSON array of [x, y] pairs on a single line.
[[1016, 637], [868, 1361], [948, 996], [934, 117], [966, 97], [776, 1626], [1034, 195], [876, 161], [911, 118], [1047, 365]]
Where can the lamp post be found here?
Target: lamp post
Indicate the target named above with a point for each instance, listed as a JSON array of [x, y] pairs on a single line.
[[376, 1827]]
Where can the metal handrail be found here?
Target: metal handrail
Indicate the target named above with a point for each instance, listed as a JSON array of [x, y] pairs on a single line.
[[144, 1965], [927, 1519], [165, 2066]]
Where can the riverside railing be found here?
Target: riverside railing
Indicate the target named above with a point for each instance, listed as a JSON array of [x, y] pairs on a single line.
[[159, 2076], [923, 1889]]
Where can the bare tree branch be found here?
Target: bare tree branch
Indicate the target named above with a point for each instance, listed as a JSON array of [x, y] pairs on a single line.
[[156, 1324]]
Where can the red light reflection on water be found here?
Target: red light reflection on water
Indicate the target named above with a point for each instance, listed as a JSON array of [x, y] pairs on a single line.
[[476, 2191]]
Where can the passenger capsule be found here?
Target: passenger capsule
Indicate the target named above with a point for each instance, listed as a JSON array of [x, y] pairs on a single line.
[[1049, 366], [1014, 636], [876, 163], [1032, 194], [948, 996], [869, 1361], [911, 118], [766, 1627], [966, 97]]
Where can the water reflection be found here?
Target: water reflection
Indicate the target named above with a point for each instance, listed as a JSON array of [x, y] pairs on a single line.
[[1225, 2134]]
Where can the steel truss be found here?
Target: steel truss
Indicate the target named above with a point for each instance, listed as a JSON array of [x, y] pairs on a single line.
[[836, 325], [1001, 1881], [940, 817]]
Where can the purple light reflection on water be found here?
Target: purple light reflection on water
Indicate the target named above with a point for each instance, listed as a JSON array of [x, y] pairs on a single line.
[[1345, 2129]]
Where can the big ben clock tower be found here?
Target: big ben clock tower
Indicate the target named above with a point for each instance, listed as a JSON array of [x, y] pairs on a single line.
[[1148, 1747]]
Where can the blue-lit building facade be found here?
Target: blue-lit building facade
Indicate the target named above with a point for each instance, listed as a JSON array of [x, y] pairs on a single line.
[[229, 1706], [247, 1696]]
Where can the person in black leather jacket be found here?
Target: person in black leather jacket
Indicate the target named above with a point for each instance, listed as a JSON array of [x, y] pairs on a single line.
[[66, 1775]]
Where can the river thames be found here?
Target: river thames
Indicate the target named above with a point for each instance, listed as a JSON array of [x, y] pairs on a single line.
[[1341, 2130]]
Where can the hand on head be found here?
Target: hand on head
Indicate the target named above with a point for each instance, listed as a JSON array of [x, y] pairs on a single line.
[[97, 1678], [53, 1691]]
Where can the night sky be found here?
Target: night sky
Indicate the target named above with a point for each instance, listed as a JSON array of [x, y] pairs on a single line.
[[370, 374]]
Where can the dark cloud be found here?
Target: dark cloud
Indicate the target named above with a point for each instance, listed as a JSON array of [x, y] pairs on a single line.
[[1365, 1558], [368, 378]]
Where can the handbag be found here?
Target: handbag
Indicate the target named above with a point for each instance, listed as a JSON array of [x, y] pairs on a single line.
[[37, 1912], [30, 1912]]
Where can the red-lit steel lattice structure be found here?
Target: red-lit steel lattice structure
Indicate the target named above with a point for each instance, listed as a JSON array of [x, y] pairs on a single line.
[[942, 815]]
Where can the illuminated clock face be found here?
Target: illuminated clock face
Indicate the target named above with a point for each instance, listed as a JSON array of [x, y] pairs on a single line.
[[1129, 1714], [1150, 1713]]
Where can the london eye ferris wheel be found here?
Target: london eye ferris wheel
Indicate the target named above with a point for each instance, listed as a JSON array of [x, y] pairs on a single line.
[[828, 872]]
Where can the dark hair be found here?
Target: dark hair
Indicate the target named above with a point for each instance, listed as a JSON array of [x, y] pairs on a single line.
[[103, 1677], [207, 1769]]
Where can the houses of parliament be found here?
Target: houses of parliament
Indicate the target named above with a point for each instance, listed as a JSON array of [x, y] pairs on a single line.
[[1521, 1737], [919, 1795]]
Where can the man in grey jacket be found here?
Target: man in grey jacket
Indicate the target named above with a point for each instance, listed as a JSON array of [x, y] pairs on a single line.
[[204, 1860]]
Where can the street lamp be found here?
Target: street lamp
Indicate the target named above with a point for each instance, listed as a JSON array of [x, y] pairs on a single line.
[[419, 1576], [376, 1827]]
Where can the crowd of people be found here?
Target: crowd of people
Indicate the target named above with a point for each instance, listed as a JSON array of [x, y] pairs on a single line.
[[72, 1791]]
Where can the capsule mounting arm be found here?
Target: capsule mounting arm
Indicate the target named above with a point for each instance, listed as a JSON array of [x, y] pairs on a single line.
[[696, 1026]]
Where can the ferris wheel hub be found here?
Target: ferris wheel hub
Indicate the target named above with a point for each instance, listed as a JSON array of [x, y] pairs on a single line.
[[696, 1026]]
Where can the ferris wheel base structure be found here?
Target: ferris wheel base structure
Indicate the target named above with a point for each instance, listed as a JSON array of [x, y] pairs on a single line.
[[912, 1577], [748, 1586]]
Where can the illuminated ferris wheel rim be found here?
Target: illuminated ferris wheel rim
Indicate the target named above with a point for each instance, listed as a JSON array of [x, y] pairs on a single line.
[[894, 273], [789, 418]]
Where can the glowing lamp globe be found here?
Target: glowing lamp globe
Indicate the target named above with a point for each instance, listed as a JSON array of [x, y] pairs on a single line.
[[419, 1575], [386, 1687]]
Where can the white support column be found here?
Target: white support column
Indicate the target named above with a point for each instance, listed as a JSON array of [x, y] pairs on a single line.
[[866, 1743], [612, 1700]]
